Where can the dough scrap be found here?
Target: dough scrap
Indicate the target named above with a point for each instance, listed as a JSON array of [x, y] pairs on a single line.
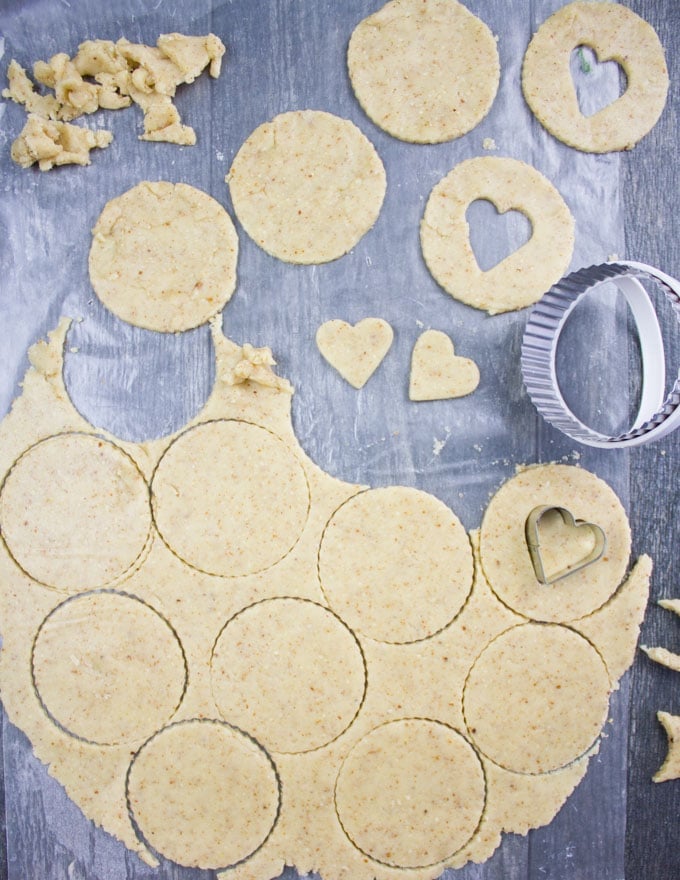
[[382, 592], [163, 256], [437, 373], [307, 186], [615, 33], [424, 72], [670, 769], [56, 143], [525, 275], [356, 351]]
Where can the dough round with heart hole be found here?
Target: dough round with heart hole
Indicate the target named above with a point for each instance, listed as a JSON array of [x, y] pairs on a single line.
[[525, 275], [555, 696], [614, 33], [163, 256], [424, 72], [505, 556], [307, 186]]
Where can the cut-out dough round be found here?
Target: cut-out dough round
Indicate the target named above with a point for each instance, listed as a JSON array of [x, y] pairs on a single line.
[[356, 351], [108, 668], [163, 256], [424, 72], [395, 564], [615, 33], [307, 186], [230, 498], [555, 691], [285, 646], [505, 555], [411, 793], [203, 794], [75, 512], [437, 373], [525, 275]]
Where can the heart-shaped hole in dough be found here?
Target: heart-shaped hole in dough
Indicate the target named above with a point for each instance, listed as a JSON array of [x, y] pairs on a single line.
[[560, 545], [494, 234], [597, 83]]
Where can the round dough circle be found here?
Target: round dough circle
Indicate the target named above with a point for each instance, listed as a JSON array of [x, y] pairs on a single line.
[[411, 793], [424, 72], [289, 659], [525, 275], [203, 794], [614, 33], [536, 698], [395, 564], [75, 512], [505, 557], [230, 498], [163, 256], [107, 668], [307, 186]]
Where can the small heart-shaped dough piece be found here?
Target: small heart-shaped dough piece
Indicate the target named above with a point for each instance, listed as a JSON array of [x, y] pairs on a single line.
[[355, 351], [436, 372]]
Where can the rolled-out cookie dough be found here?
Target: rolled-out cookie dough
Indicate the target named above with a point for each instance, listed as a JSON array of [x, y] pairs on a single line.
[[307, 186], [525, 275], [615, 33], [356, 351], [163, 256], [424, 72], [326, 692]]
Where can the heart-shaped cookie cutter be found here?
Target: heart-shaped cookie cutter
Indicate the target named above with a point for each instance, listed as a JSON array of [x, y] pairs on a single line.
[[534, 543]]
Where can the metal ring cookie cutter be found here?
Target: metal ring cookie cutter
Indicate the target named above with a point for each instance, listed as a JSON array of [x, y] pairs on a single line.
[[656, 416], [534, 543]]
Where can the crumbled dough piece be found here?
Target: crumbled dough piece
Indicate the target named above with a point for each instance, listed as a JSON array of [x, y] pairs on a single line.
[[255, 366], [525, 275], [356, 351], [424, 72], [615, 33], [75, 95], [56, 143], [670, 769], [663, 656], [437, 373], [193, 54], [307, 186], [21, 90]]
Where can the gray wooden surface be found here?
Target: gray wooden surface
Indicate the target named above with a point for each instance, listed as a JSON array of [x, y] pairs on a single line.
[[289, 54]]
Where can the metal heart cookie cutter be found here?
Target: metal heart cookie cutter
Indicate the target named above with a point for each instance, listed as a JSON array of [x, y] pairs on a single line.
[[656, 416], [531, 531]]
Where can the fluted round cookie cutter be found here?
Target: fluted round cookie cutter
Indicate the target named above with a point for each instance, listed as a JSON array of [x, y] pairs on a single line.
[[657, 416]]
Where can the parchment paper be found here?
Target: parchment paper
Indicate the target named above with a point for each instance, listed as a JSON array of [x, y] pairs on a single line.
[[284, 55]]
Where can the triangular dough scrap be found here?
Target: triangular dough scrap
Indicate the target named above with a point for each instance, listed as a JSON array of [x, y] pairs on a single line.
[[670, 769], [437, 373], [355, 351]]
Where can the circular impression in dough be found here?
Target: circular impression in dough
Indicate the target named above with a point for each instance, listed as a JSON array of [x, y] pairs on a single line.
[[107, 668], [525, 275], [395, 564], [288, 658], [615, 33], [505, 557], [424, 72], [307, 186], [75, 512], [536, 698], [163, 256], [411, 793], [203, 794], [230, 498]]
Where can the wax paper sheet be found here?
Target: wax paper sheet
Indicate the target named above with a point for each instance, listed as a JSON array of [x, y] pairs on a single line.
[[285, 55]]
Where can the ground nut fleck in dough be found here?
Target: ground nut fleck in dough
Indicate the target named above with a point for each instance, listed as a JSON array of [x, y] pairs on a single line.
[[307, 186], [525, 275], [163, 256], [615, 33], [424, 71], [356, 351]]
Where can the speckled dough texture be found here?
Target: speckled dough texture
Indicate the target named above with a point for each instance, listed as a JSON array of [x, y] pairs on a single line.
[[525, 275], [437, 373], [283, 668], [425, 72], [164, 256], [615, 33], [356, 351], [307, 186]]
